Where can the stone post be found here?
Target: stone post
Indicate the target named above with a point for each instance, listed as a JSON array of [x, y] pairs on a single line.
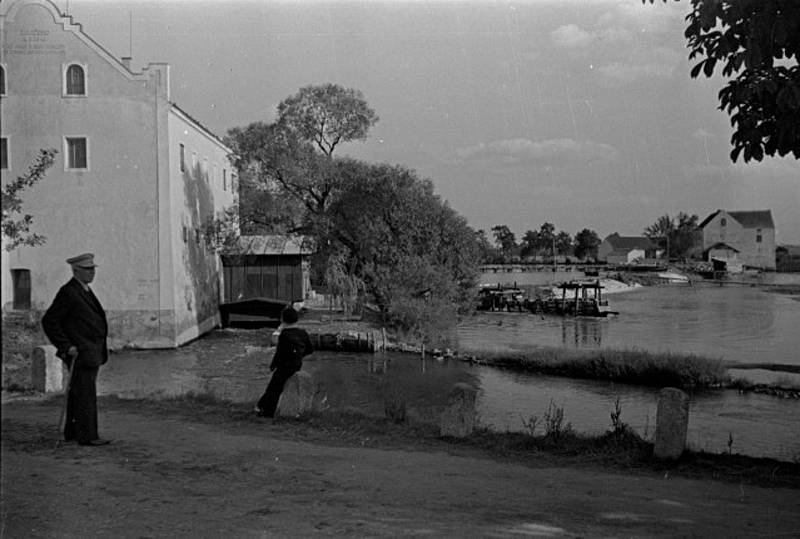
[[47, 370], [297, 397], [672, 420], [459, 418]]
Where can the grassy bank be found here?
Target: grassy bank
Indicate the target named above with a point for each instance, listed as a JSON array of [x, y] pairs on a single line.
[[657, 369], [552, 443]]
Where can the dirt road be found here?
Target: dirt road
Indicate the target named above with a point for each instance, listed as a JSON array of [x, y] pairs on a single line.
[[170, 476]]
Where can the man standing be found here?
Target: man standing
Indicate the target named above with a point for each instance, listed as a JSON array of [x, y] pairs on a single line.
[[76, 325]]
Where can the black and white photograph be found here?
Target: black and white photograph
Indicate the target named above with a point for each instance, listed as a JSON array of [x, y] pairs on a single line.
[[400, 268]]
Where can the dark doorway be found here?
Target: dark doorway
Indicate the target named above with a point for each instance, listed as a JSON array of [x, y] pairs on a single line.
[[22, 288]]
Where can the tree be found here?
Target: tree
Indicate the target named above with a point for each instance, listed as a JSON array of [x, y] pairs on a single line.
[[293, 157], [546, 239], [687, 235], [504, 238], [410, 249], [757, 42], [327, 115], [273, 163], [677, 236], [586, 243], [563, 243], [530, 243], [484, 246], [16, 228]]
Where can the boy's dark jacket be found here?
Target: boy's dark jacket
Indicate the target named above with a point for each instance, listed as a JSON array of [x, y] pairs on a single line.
[[293, 345]]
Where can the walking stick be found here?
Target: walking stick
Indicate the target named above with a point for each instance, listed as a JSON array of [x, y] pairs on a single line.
[[66, 399]]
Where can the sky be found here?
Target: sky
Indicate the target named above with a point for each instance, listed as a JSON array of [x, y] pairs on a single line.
[[580, 113]]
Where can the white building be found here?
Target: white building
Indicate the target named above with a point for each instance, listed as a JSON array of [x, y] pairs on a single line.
[[136, 180]]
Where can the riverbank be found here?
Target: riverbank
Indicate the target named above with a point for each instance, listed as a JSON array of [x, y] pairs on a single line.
[[201, 468]]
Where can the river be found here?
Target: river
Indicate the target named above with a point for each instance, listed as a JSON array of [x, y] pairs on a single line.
[[736, 323]]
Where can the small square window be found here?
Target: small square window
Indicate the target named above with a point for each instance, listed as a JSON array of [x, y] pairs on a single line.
[[76, 153]]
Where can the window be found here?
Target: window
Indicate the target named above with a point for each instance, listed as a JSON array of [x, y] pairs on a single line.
[[224, 179], [2, 80], [723, 222], [75, 80], [183, 158], [758, 235], [4, 154], [76, 153], [233, 182]]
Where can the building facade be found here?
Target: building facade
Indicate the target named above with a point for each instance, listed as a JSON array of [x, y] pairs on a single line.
[[136, 181], [750, 233], [616, 249]]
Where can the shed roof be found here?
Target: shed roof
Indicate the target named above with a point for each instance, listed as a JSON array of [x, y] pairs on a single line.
[[722, 245], [271, 244], [748, 219]]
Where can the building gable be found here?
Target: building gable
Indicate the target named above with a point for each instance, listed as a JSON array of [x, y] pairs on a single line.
[[747, 219]]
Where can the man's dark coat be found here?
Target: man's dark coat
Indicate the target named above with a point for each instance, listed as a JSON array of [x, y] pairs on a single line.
[[76, 318]]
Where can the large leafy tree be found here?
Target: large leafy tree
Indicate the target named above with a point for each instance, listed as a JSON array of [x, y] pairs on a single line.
[[294, 156], [327, 115], [16, 226], [757, 45], [407, 246]]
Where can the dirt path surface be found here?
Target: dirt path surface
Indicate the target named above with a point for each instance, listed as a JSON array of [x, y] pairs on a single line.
[[169, 476]]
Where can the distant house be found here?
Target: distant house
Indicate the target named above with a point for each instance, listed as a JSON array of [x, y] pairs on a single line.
[[751, 234], [787, 258], [616, 249]]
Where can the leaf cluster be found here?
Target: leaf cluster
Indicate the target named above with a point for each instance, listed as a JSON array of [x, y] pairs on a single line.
[[16, 227], [757, 44]]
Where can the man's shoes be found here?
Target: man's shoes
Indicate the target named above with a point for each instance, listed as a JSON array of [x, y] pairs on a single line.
[[96, 442]]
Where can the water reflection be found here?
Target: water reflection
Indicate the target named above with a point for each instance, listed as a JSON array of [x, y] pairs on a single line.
[[581, 332]]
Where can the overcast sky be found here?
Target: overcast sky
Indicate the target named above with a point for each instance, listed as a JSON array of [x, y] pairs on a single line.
[[576, 112]]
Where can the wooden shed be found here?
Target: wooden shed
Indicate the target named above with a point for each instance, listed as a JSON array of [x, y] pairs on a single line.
[[274, 267]]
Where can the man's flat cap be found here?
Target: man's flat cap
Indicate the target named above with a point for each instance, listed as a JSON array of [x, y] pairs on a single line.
[[86, 260]]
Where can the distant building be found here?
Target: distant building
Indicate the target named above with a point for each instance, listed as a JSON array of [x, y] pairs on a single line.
[[616, 249], [787, 258], [751, 234], [136, 180]]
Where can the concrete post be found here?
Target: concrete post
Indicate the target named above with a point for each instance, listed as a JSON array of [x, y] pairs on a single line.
[[459, 418], [47, 370], [672, 421], [297, 397]]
